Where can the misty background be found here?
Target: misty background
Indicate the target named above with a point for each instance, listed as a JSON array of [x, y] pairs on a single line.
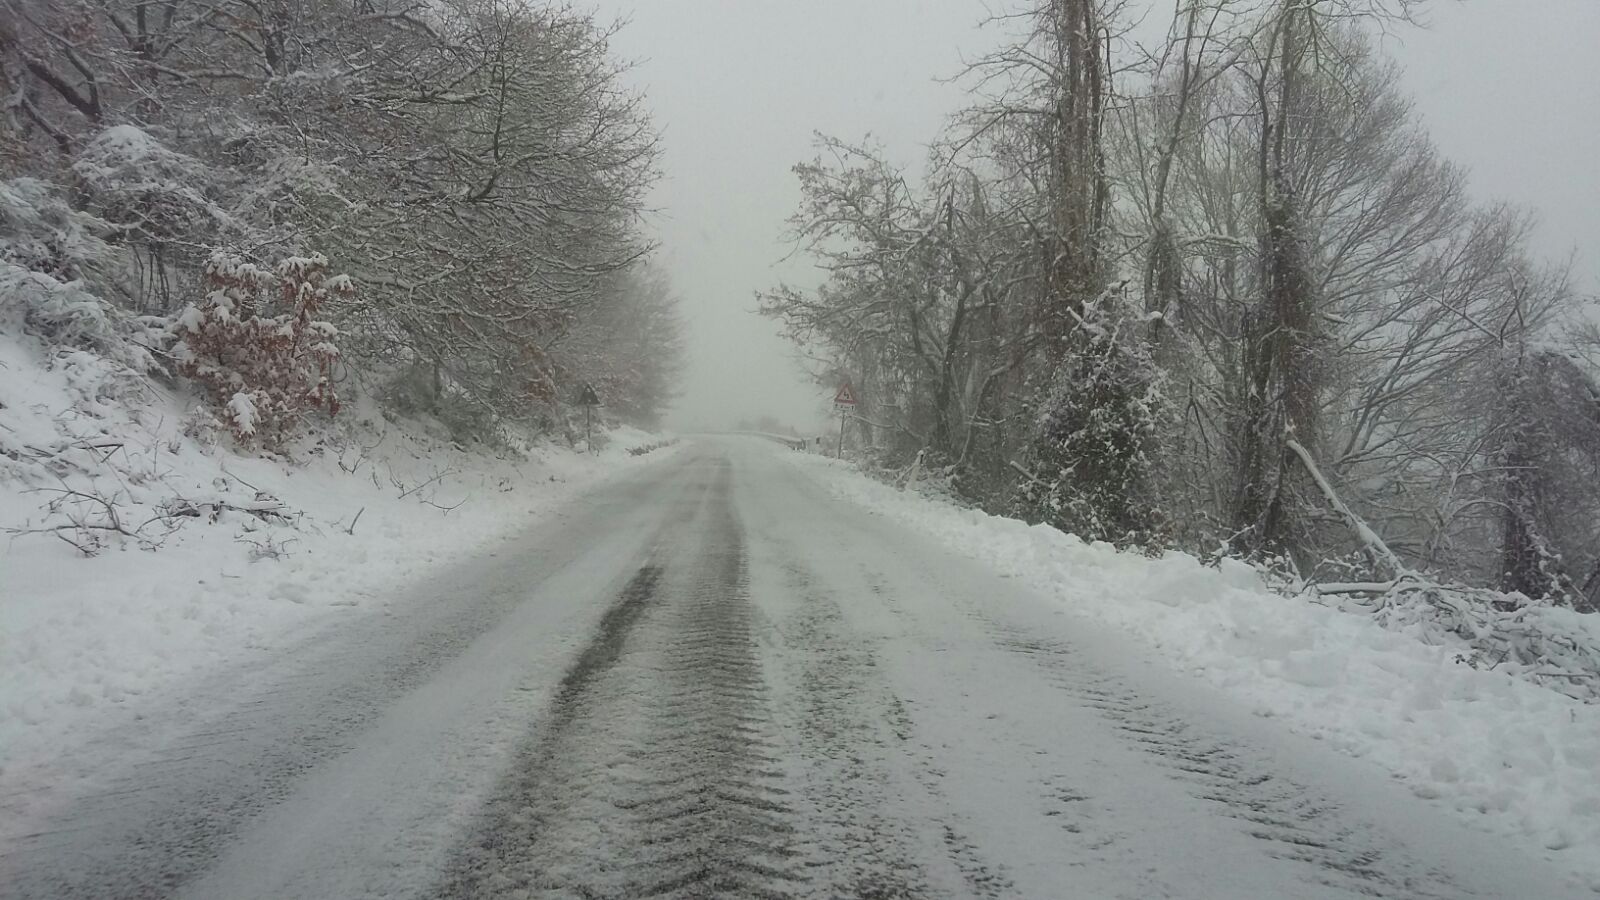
[[739, 88]]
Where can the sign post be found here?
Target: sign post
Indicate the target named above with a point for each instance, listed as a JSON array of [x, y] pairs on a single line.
[[844, 400], [590, 400]]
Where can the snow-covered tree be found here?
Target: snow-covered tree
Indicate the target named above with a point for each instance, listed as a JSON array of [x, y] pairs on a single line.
[[1198, 302], [475, 165]]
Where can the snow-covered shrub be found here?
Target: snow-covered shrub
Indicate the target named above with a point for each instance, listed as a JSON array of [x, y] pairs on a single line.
[[256, 344], [138, 182], [651, 447], [59, 312], [52, 267], [64, 314], [41, 232]]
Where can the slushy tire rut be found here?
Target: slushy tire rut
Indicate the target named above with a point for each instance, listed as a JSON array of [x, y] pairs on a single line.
[[657, 772]]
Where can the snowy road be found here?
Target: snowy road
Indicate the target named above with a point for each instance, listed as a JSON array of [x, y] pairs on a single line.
[[711, 679]]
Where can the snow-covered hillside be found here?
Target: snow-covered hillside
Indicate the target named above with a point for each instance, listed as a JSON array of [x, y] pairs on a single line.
[[139, 548]]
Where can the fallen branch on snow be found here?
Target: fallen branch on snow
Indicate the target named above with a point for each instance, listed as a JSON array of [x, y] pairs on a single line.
[[1532, 639]]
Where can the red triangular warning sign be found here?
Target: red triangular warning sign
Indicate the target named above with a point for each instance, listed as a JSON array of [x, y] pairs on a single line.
[[846, 396]]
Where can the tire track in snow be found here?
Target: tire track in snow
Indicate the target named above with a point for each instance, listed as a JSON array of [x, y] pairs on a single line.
[[657, 773], [848, 732], [1293, 822], [982, 878]]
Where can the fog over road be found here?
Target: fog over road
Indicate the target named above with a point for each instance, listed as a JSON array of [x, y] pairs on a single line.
[[709, 678]]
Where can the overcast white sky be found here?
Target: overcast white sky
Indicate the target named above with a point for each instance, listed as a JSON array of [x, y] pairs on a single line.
[[1509, 88]]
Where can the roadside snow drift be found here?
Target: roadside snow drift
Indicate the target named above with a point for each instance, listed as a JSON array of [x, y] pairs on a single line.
[[197, 553], [1516, 757]]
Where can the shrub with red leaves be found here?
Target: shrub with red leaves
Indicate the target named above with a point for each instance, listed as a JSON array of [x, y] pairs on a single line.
[[257, 346]]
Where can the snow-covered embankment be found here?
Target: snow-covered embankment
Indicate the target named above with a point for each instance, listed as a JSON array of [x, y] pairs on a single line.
[[135, 552]]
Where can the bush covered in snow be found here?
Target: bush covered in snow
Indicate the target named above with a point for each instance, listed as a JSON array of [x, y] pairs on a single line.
[[65, 314], [41, 232], [54, 265], [154, 191], [256, 344]]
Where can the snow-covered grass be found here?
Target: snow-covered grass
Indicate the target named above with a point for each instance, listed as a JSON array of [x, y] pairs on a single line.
[[1512, 756], [210, 551]]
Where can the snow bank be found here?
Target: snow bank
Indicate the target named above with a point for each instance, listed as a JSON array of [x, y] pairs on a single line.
[[223, 552], [1515, 757]]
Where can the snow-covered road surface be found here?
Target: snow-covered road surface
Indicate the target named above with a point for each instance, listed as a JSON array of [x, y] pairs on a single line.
[[712, 679]]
